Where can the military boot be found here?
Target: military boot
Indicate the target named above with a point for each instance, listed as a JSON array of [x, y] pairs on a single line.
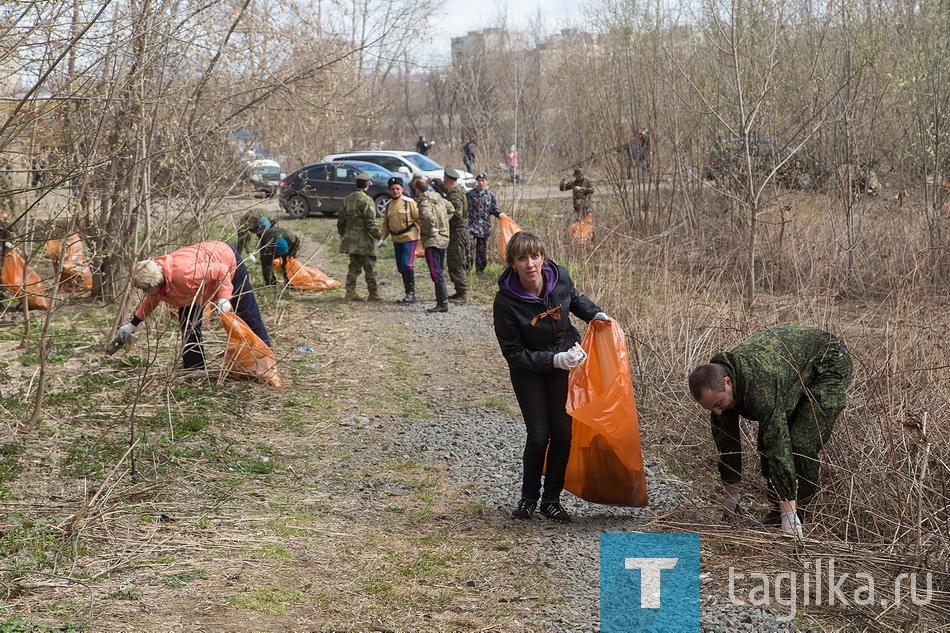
[[459, 297], [375, 296], [409, 283], [351, 294], [441, 299]]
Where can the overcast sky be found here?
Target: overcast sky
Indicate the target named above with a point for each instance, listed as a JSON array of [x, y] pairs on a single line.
[[461, 16]]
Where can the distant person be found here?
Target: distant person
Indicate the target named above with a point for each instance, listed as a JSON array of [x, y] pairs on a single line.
[[457, 253], [581, 189], [247, 232], [359, 232], [422, 146], [187, 279], [402, 222], [275, 242], [435, 232], [793, 380], [511, 159], [468, 157], [532, 319], [644, 152], [481, 206]]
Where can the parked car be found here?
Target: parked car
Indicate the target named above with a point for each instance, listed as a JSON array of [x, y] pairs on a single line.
[[725, 158], [408, 164], [265, 175], [321, 187]]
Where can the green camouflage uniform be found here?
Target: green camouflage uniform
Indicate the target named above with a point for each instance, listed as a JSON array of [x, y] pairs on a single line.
[[269, 251], [247, 229], [581, 196], [793, 380], [359, 232], [457, 253]]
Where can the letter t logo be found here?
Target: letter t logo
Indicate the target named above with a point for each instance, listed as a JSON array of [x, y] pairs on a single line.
[[649, 578]]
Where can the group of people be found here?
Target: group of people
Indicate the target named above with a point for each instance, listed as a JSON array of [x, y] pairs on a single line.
[[452, 225], [792, 380]]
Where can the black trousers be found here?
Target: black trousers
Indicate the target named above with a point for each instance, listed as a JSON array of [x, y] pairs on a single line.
[[542, 398], [245, 306]]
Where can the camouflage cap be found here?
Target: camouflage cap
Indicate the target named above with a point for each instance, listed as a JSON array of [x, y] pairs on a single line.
[[363, 177]]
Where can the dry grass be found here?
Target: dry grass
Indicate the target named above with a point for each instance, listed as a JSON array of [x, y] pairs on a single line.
[[883, 286]]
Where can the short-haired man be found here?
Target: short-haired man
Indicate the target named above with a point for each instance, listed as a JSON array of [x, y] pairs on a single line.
[[793, 380], [458, 239], [481, 206], [581, 189], [402, 222], [359, 232]]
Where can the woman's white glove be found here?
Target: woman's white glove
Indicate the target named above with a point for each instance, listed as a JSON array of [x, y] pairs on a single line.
[[380, 244], [7, 245], [600, 316], [571, 358], [791, 524], [250, 259], [125, 333], [224, 305]]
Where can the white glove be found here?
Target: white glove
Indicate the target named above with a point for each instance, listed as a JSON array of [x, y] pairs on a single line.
[[224, 305], [571, 358], [250, 259], [125, 333], [791, 524], [600, 316], [7, 245], [502, 215], [380, 244], [434, 233]]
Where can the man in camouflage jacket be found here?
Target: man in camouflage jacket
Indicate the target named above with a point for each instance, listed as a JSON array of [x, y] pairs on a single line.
[[792, 380], [481, 206], [581, 190], [359, 232], [457, 253]]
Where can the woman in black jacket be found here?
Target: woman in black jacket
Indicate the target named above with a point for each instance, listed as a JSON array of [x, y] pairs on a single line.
[[533, 326]]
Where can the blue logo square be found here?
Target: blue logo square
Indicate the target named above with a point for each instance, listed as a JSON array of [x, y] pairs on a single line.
[[649, 583]]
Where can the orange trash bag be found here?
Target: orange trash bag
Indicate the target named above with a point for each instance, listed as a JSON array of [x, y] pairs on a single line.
[[303, 278], [75, 275], [582, 230], [507, 228], [246, 355], [606, 464], [12, 278]]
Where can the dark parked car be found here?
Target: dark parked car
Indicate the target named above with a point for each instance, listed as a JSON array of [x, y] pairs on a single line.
[[321, 187], [725, 159]]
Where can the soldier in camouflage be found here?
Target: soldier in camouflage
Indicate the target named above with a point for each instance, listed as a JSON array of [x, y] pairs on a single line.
[[358, 231], [457, 253], [792, 380], [435, 234], [247, 231], [581, 190], [481, 206]]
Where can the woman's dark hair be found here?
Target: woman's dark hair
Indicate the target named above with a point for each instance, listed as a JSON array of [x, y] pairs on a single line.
[[523, 243]]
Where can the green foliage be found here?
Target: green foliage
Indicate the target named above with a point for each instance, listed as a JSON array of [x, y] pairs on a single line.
[[19, 625], [125, 593], [270, 600], [32, 544], [182, 578], [10, 467]]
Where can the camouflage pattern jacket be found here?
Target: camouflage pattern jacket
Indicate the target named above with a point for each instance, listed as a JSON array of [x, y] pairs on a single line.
[[481, 206], [356, 224], [581, 195], [771, 372], [433, 220], [458, 219]]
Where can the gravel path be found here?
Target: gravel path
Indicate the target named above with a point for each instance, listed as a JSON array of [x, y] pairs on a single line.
[[481, 448]]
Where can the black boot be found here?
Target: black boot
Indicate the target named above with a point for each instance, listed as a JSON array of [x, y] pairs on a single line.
[[441, 299], [409, 283]]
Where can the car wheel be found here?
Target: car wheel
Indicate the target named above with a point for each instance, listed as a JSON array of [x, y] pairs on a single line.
[[381, 202], [297, 207]]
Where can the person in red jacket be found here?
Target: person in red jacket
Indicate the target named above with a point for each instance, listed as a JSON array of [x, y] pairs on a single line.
[[189, 278]]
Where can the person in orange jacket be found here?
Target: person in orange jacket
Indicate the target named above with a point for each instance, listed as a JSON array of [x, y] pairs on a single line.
[[189, 278]]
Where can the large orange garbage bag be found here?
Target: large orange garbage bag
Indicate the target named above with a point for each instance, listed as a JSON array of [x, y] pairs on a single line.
[[303, 278], [75, 275], [582, 230], [246, 355], [12, 278], [606, 464], [507, 228]]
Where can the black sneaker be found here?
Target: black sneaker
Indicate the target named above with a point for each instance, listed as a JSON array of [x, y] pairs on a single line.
[[525, 510], [555, 512]]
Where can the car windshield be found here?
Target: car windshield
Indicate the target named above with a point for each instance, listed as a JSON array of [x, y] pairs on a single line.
[[268, 171], [423, 163], [374, 170]]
